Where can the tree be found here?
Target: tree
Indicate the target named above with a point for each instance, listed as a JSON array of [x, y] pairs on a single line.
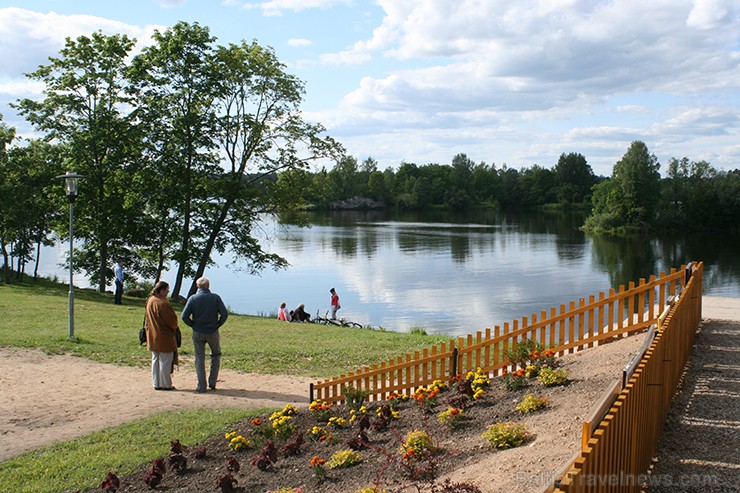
[[574, 178], [261, 132], [177, 81], [638, 180], [84, 109], [630, 198], [7, 135], [39, 204]]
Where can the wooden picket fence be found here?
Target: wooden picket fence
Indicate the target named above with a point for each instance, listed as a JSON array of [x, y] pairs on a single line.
[[616, 455], [588, 323]]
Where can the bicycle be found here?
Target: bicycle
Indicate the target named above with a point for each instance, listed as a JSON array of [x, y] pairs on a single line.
[[337, 322]]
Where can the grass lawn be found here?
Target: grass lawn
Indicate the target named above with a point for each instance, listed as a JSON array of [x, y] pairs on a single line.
[[35, 315]]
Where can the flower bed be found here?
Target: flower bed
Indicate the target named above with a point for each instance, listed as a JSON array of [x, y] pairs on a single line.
[[327, 449]]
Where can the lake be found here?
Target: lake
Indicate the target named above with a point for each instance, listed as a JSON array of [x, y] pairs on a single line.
[[450, 273]]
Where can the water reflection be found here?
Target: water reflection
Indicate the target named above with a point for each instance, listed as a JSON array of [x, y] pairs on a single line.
[[453, 273]]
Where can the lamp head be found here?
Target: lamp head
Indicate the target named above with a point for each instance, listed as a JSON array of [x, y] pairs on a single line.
[[70, 184]]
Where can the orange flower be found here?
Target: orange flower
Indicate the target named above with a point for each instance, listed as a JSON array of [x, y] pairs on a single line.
[[454, 411], [316, 462], [256, 421]]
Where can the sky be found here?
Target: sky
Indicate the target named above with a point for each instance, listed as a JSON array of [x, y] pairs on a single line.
[[420, 81]]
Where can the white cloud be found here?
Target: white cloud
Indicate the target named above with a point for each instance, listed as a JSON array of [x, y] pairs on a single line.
[[696, 121], [276, 7], [299, 42], [28, 38], [172, 3], [706, 14]]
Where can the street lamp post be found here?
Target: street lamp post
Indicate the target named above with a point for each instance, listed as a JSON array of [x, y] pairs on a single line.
[[70, 186]]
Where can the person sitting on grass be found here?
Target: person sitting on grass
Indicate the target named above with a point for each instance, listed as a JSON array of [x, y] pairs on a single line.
[[283, 313], [300, 315]]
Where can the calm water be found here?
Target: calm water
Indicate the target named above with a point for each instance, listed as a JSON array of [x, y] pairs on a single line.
[[451, 274]]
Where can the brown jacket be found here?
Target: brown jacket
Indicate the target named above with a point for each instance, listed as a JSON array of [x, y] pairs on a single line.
[[161, 324]]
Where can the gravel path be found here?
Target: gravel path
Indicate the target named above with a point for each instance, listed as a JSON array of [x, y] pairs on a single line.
[[699, 447]]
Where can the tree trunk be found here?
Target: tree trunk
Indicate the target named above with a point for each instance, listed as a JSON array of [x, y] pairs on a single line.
[[6, 265], [38, 257], [103, 265], [184, 253], [185, 249], [211, 241]]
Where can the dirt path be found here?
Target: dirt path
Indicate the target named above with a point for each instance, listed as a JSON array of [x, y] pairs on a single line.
[[45, 398]]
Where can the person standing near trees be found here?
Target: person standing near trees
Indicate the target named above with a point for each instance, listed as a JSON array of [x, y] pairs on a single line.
[[205, 312], [161, 332], [119, 283], [334, 303]]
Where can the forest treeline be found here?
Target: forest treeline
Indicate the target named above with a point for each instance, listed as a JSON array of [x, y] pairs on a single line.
[[691, 196], [184, 145]]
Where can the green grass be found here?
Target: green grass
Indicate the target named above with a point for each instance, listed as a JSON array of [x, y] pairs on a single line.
[[34, 315], [82, 463]]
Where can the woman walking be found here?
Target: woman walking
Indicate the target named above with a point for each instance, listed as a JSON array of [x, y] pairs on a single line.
[[161, 330]]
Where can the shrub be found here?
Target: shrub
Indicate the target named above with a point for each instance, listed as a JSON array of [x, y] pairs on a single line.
[[531, 403], [317, 467], [354, 398], [505, 435], [553, 377], [515, 380], [417, 444], [236, 441], [479, 382], [321, 409], [344, 458], [449, 487], [451, 418]]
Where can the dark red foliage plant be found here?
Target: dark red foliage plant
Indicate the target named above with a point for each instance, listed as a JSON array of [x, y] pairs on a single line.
[[176, 447], [293, 446], [232, 464], [359, 442], [199, 452], [227, 483], [178, 463], [155, 473], [111, 483], [267, 456]]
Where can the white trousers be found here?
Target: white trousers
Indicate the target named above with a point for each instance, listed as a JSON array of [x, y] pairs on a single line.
[[161, 368]]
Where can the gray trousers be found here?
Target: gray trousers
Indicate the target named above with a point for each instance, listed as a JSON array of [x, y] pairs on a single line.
[[199, 343]]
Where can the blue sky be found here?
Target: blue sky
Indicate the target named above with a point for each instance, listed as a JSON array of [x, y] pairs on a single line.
[[514, 83]]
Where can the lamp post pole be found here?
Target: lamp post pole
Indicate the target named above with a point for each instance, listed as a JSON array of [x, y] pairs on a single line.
[[70, 181]]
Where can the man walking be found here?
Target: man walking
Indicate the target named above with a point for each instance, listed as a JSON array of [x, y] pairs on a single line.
[[205, 312], [119, 283]]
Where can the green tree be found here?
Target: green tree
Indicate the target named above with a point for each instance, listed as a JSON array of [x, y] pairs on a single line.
[[261, 132], [575, 178], [629, 200], [84, 108], [7, 135], [177, 81]]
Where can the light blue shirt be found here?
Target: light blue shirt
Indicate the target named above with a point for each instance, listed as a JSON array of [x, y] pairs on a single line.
[[119, 273]]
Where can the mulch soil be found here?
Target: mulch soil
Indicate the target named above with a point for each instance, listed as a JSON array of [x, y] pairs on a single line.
[[381, 462]]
